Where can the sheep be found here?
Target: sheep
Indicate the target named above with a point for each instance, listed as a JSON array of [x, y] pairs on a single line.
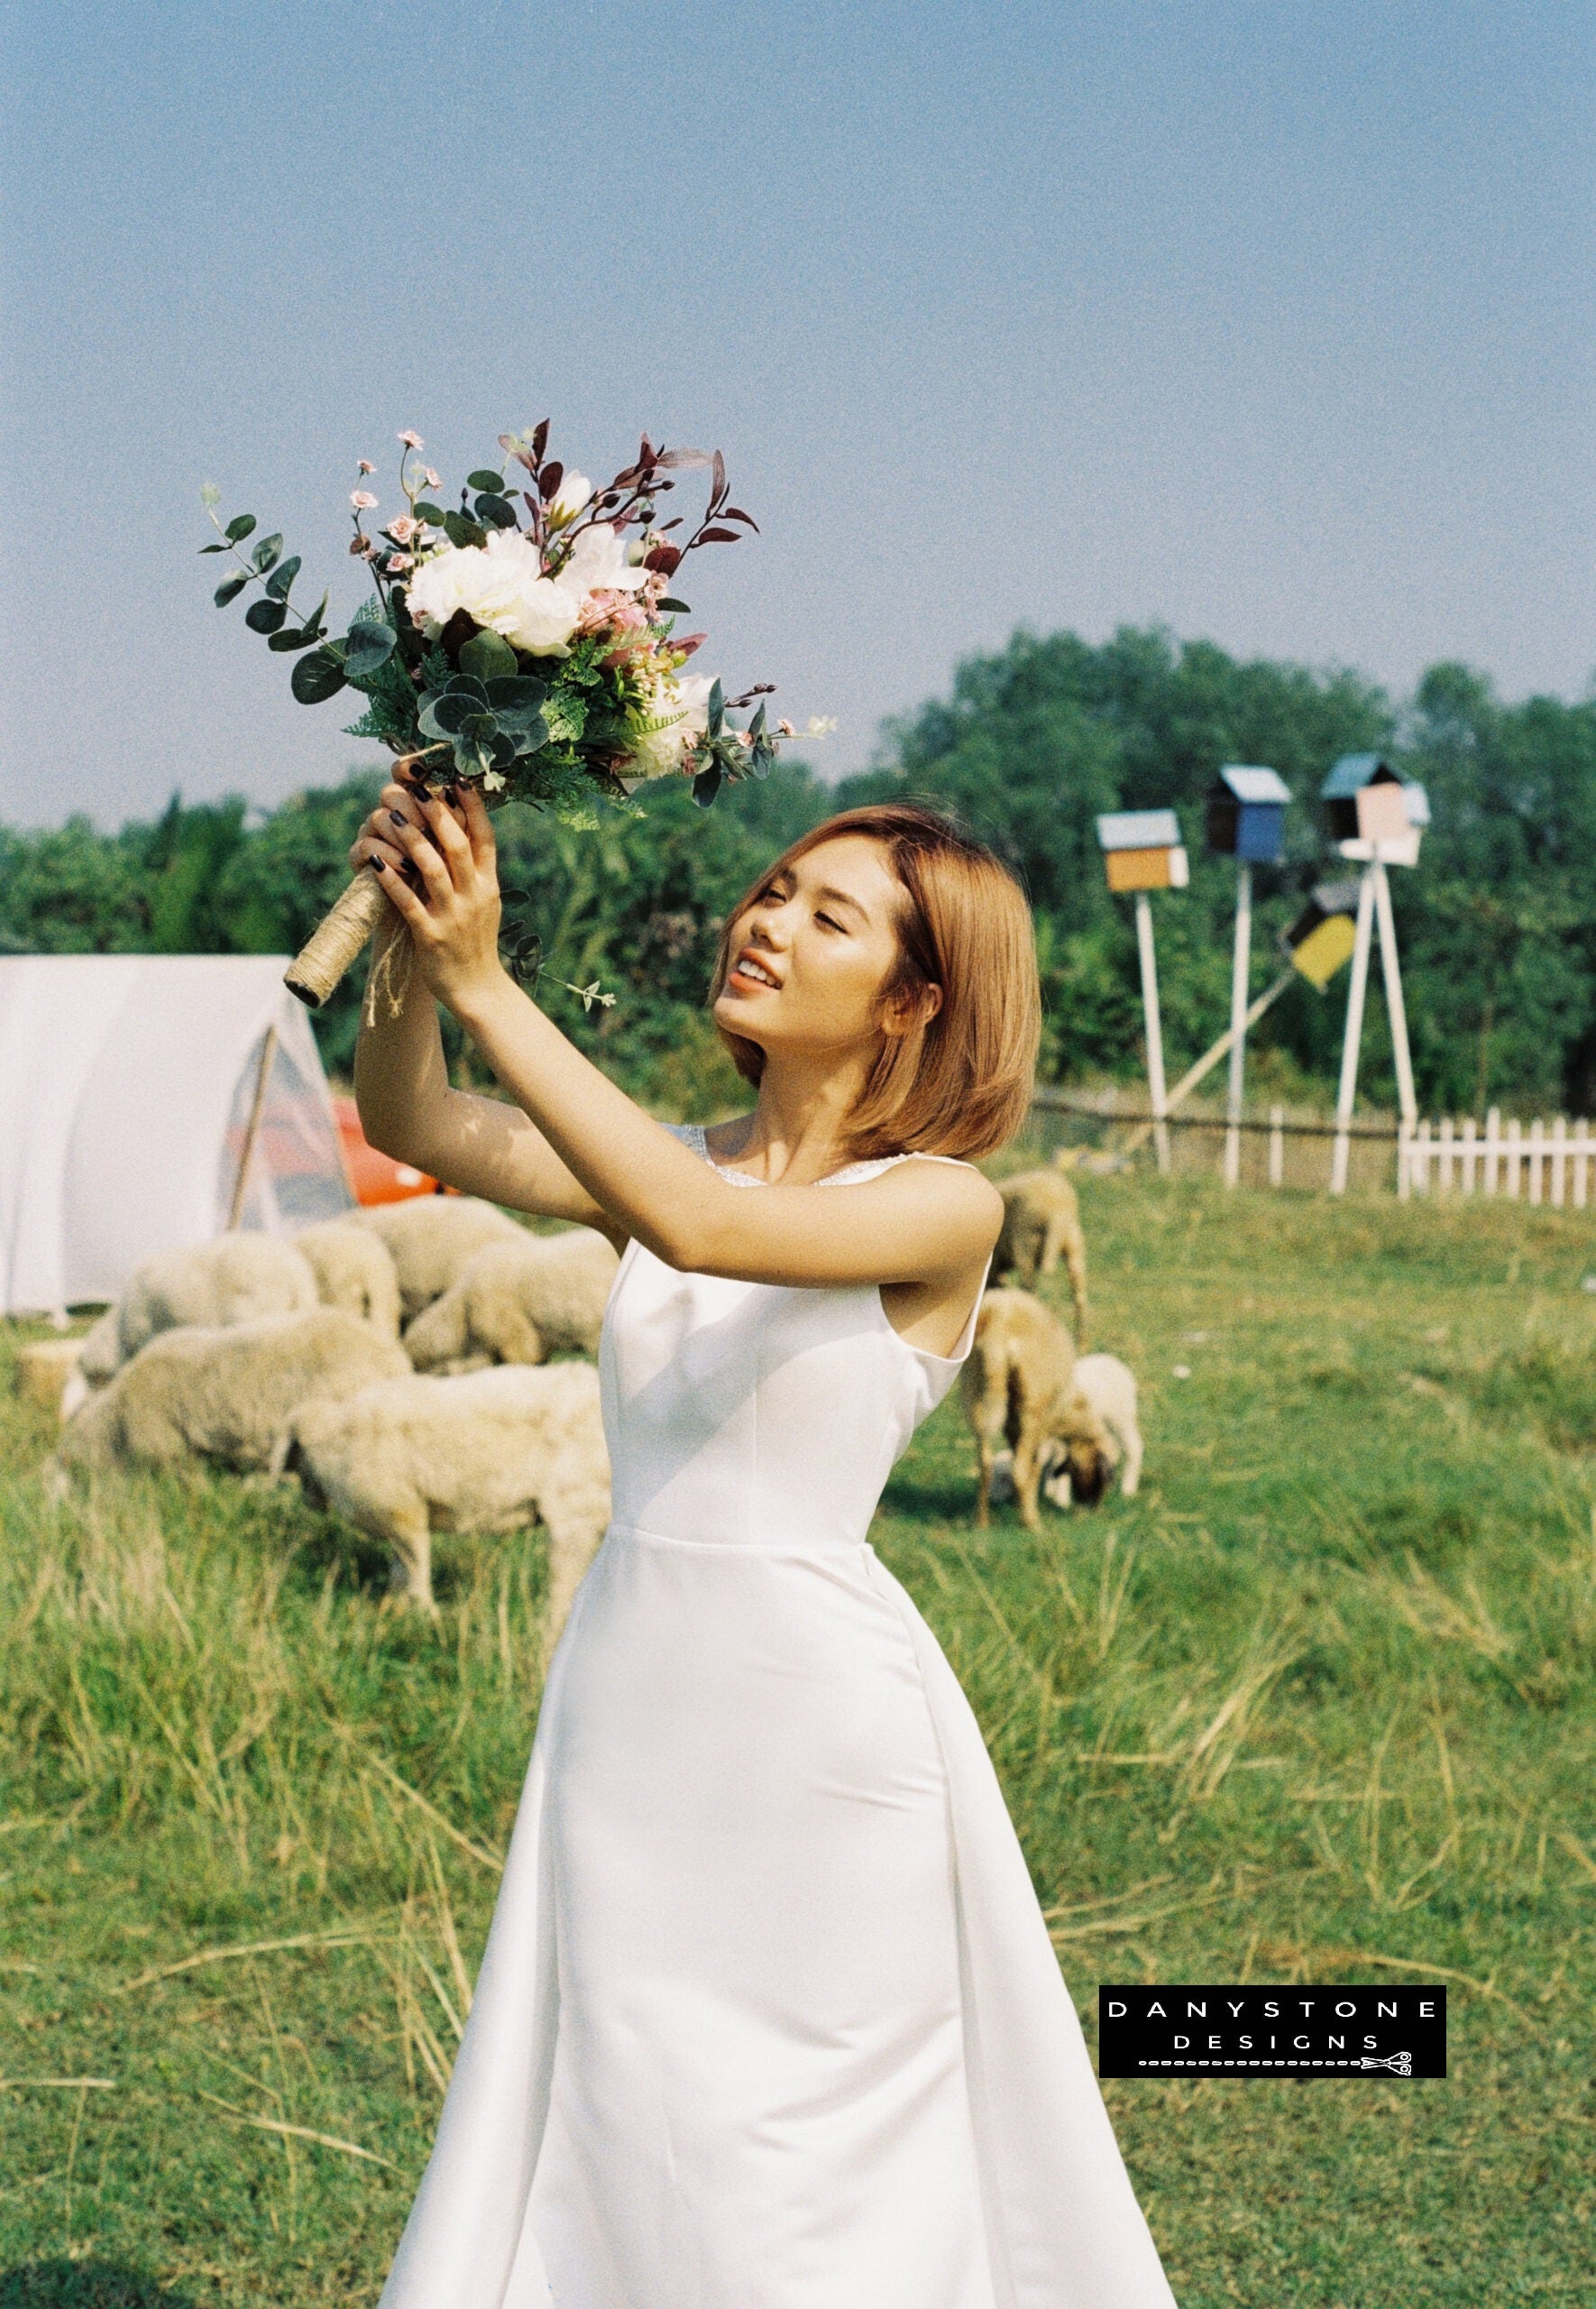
[[1017, 1385], [480, 1451], [353, 1268], [518, 1303], [1042, 1218], [225, 1394], [430, 1238], [1109, 1388], [45, 1369], [236, 1279]]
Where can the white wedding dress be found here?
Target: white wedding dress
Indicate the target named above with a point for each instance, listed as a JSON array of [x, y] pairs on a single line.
[[769, 2016]]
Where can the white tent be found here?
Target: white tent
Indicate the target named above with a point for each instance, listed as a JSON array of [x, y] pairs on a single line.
[[127, 1084]]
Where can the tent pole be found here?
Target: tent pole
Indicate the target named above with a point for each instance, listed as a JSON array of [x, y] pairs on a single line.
[[268, 1053], [1354, 1033]]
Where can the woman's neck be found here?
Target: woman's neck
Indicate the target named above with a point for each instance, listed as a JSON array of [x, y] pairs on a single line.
[[798, 1130]]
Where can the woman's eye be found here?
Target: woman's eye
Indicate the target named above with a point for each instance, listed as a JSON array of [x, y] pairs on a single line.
[[827, 921]]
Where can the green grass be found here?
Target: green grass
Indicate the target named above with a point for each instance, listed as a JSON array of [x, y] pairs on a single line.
[[1318, 1706]]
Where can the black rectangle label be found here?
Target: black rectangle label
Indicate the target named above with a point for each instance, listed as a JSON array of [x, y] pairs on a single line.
[[1260, 2031]]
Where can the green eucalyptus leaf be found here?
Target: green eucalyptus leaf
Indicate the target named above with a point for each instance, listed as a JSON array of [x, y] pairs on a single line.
[[486, 478], [366, 647], [265, 554], [318, 676], [228, 590], [677, 609], [239, 527], [293, 637], [514, 696], [488, 656], [217, 547], [717, 711], [425, 510], [706, 785], [264, 616], [496, 512], [461, 532], [281, 579]]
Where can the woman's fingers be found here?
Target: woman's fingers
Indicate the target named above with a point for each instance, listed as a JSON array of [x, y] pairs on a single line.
[[424, 856], [446, 834], [479, 830], [403, 896]]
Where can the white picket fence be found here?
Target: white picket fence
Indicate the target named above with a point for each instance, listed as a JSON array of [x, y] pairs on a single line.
[[1546, 1163]]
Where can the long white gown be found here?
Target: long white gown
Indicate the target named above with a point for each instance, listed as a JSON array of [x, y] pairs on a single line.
[[769, 2016]]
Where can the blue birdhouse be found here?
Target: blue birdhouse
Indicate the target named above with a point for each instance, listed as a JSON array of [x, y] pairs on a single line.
[[1245, 815]]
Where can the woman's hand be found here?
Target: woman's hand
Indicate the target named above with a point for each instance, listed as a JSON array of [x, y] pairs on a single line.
[[437, 864]]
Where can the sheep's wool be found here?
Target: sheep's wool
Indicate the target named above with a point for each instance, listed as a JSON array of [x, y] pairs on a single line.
[[769, 2016]]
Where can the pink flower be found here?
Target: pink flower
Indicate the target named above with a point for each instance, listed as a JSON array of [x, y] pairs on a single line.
[[366, 466], [402, 528], [414, 441], [402, 561], [432, 480], [362, 500], [786, 729]]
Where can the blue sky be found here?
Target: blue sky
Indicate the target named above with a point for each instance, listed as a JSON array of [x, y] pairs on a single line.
[[1271, 323]]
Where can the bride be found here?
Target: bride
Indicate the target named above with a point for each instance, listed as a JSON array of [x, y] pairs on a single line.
[[769, 2016]]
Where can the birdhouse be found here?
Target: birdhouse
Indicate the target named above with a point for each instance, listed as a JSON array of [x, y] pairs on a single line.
[[1325, 932], [1142, 849], [1245, 815], [1371, 812]]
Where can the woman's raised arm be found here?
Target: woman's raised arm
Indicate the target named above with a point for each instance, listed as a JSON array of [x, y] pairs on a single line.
[[920, 1222]]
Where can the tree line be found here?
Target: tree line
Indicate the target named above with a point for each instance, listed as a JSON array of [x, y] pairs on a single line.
[[1497, 926]]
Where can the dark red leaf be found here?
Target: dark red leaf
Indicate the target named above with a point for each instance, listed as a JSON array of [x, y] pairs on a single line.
[[549, 480], [735, 513], [716, 536], [540, 441], [683, 460], [664, 557], [670, 525], [718, 481]]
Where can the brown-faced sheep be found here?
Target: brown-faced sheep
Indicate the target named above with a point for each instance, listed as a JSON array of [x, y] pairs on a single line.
[[236, 1279], [1109, 1388], [1017, 1387], [225, 1395], [1041, 1221], [430, 1237], [518, 1303], [482, 1451], [353, 1269]]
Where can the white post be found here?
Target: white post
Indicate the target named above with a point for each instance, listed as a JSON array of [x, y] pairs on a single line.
[[1445, 1155], [1355, 993], [1394, 1005], [1559, 1162], [1421, 1157], [1155, 1033], [1537, 1147], [1582, 1161], [1515, 1154], [1405, 1161], [1276, 1146], [1493, 1149], [1240, 959], [1470, 1154]]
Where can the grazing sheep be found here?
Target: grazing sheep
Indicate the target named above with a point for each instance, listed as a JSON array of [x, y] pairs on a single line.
[[355, 1269], [481, 1451], [237, 1279], [227, 1394], [1109, 1388], [1042, 1218], [1018, 1385], [518, 1303], [431, 1236], [45, 1369]]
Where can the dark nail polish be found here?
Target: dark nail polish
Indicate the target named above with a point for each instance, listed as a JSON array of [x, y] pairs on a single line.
[[450, 797], [398, 817]]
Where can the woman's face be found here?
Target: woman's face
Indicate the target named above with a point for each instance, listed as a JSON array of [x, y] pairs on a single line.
[[811, 955]]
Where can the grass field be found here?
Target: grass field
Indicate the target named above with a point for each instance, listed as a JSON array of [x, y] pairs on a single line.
[[1319, 1705]]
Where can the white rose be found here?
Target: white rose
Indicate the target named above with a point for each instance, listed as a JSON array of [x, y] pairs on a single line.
[[598, 563], [568, 499], [501, 586], [687, 702]]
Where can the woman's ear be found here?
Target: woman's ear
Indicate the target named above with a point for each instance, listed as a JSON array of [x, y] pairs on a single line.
[[912, 1007]]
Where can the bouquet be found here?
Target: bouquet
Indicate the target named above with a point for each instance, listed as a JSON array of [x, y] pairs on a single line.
[[523, 642]]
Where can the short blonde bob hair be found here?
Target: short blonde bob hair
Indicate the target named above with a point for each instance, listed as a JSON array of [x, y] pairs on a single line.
[[960, 1083]]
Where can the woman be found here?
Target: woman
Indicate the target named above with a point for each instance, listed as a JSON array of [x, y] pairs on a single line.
[[769, 2016]]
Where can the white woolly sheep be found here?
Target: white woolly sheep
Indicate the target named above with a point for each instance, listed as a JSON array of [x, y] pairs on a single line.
[[482, 1451], [1017, 1387], [236, 1279], [518, 1303], [1109, 1388], [430, 1237], [226, 1394], [353, 1269], [1041, 1220]]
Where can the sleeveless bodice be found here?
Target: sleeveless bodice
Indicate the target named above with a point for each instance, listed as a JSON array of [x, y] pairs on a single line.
[[758, 1415]]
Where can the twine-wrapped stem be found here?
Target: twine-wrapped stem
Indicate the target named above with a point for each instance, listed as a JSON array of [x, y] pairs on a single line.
[[333, 944]]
